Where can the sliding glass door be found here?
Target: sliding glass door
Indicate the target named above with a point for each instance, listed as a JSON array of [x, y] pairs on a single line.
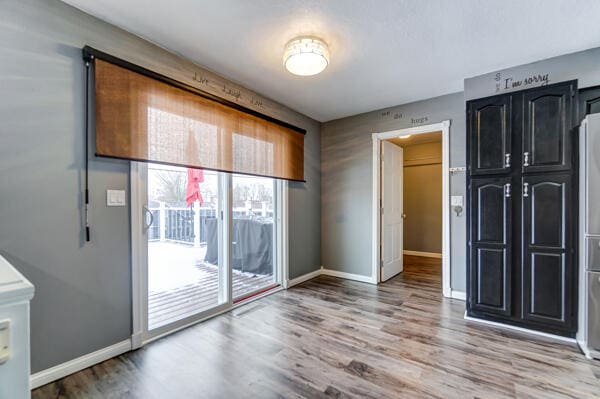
[[254, 254], [185, 275], [208, 241]]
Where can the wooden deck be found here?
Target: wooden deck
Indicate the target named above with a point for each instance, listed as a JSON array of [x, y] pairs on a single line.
[[171, 305]]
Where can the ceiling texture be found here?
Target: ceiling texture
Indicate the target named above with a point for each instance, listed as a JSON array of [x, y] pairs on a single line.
[[383, 52]]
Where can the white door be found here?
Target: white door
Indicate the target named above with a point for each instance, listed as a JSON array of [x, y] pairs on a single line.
[[392, 226]]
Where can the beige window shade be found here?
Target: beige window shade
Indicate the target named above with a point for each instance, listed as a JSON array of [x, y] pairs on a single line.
[[145, 119]]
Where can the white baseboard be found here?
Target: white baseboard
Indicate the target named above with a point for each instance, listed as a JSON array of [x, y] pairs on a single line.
[[348, 276], [137, 340], [72, 366], [520, 329], [424, 254], [303, 278], [458, 295]]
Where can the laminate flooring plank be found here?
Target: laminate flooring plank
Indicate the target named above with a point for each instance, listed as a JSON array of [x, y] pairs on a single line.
[[334, 338]]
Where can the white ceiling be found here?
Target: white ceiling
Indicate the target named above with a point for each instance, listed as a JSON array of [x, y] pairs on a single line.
[[383, 52]]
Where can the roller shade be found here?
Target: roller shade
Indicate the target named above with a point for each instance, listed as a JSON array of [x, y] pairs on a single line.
[[142, 118]]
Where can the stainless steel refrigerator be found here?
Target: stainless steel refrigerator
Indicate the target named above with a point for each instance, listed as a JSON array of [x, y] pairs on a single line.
[[588, 334]]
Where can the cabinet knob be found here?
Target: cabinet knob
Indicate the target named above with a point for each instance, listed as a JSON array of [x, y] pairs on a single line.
[[525, 189], [507, 190], [507, 160], [526, 159]]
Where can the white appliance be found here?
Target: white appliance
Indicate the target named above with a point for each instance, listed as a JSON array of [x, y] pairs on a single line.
[[15, 294], [588, 333]]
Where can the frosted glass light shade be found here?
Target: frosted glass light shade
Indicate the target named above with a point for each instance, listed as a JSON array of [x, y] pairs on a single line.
[[306, 56]]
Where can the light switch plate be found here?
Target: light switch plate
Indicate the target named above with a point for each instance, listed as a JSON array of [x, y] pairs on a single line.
[[4, 341], [456, 200], [115, 198]]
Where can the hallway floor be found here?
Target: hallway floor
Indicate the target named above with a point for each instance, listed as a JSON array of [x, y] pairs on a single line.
[[330, 337]]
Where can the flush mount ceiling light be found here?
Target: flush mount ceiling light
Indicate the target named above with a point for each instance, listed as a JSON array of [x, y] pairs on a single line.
[[306, 56], [405, 137]]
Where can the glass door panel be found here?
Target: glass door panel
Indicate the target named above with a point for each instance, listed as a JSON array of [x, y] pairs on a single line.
[[253, 235], [185, 275]]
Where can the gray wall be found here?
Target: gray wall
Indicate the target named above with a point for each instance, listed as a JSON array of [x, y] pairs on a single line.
[[83, 294], [423, 197], [346, 181], [582, 65]]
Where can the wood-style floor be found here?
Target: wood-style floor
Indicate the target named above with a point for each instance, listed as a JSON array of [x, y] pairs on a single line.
[[336, 338]]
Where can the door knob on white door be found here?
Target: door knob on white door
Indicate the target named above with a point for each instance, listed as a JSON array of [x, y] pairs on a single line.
[[404, 216]]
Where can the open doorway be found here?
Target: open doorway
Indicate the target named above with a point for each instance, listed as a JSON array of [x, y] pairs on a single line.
[[411, 209]]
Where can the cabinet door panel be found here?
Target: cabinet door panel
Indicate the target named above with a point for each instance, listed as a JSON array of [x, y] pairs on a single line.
[[490, 249], [589, 101], [490, 135], [548, 124], [547, 214], [548, 267], [547, 285], [491, 278]]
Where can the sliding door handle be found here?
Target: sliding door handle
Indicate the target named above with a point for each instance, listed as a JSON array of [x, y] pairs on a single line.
[[147, 212]]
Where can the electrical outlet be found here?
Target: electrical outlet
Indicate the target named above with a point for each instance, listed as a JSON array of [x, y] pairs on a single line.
[[456, 200]]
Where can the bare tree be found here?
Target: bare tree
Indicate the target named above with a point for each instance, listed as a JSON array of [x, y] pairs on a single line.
[[171, 186]]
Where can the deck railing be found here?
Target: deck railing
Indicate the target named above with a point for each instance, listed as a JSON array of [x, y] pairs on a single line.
[[186, 225]]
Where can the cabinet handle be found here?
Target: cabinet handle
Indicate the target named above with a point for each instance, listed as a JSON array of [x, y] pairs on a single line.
[[507, 190], [507, 160], [525, 189], [526, 159]]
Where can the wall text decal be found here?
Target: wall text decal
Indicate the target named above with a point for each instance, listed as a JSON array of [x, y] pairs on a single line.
[[200, 79], [389, 114], [235, 93], [510, 83], [257, 102], [417, 121], [253, 100]]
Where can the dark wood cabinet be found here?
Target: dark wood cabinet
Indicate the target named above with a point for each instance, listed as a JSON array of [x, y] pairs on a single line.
[[548, 266], [491, 220], [522, 208], [547, 124], [589, 101], [490, 135]]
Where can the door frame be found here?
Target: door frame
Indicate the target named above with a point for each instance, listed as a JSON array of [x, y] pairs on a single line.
[[139, 257], [444, 127]]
